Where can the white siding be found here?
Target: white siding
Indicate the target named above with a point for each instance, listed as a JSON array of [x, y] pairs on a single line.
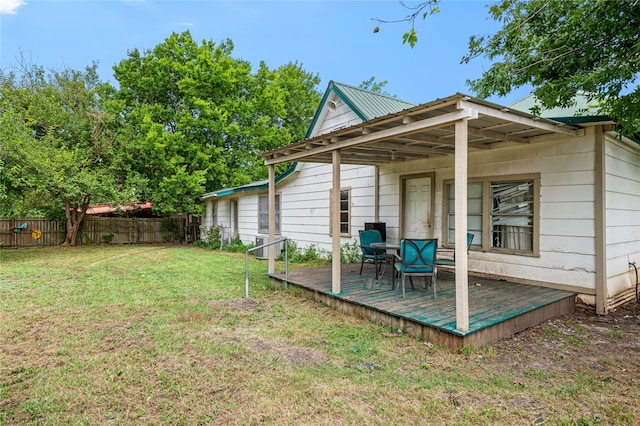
[[331, 120], [622, 165], [567, 234], [305, 203]]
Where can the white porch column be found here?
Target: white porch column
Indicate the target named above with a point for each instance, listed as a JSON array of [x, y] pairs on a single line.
[[272, 218], [335, 223], [462, 271], [601, 220]]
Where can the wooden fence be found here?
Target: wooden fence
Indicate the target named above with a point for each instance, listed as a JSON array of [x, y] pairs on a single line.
[[31, 232], [115, 230]]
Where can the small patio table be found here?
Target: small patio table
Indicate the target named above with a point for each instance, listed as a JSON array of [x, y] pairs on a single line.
[[385, 245]]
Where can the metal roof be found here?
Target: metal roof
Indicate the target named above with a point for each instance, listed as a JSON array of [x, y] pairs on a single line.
[[422, 131], [368, 104], [253, 186]]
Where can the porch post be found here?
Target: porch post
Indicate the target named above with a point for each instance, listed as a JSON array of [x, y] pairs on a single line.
[[335, 223], [462, 271], [601, 220], [272, 218]]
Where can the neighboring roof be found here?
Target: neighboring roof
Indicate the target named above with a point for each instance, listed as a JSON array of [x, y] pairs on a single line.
[[583, 111], [365, 104], [108, 208], [253, 186], [426, 130]]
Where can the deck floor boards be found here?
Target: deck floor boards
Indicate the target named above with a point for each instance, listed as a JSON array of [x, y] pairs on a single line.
[[491, 302]]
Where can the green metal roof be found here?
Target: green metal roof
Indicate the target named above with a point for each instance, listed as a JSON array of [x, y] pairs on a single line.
[[364, 103], [582, 111], [253, 186], [368, 104]]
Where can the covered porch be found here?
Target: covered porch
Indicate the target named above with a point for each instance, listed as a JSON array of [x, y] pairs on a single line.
[[451, 126], [498, 308]]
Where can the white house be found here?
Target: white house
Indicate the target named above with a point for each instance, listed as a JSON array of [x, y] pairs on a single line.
[[552, 203], [302, 199]]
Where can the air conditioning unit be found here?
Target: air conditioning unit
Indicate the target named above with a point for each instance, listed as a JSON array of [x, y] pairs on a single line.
[[263, 252]]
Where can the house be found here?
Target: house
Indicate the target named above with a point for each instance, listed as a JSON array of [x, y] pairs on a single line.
[[552, 202], [301, 199]]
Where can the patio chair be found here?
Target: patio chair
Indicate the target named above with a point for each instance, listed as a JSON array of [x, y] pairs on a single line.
[[417, 258], [377, 256], [452, 262]]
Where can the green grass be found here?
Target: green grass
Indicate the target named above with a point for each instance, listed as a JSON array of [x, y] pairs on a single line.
[[163, 335]]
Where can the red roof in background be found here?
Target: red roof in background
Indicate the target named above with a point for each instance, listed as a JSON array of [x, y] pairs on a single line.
[[108, 208]]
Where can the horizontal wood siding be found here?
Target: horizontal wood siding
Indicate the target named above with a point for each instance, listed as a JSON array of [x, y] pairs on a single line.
[[329, 121], [305, 202], [567, 218], [622, 167]]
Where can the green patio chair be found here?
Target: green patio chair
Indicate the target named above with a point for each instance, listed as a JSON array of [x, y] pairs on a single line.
[[377, 256], [452, 262], [417, 258]]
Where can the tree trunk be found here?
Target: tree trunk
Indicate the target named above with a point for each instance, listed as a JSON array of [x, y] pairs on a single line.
[[75, 215]]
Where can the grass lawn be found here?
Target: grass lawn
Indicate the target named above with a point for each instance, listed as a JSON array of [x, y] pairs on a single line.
[[164, 335]]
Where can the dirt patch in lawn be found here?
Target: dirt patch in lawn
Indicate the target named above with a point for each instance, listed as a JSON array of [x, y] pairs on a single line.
[[242, 305], [277, 349], [579, 339]]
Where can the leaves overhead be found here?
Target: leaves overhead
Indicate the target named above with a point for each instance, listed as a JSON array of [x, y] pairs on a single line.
[[200, 118], [562, 48], [422, 9]]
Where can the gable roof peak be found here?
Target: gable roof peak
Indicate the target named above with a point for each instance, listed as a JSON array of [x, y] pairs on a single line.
[[365, 103]]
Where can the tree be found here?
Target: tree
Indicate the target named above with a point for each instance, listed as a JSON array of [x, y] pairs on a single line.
[[56, 145], [375, 86], [197, 118], [562, 48], [423, 9]]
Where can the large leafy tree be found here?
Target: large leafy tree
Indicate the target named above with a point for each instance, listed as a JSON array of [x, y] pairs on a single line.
[[197, 118], [56, 146], [562, 48]]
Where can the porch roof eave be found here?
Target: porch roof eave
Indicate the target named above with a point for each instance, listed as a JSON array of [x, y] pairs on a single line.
[[423, 131]]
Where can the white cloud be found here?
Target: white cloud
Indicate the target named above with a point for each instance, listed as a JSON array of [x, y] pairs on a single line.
[[9, 7]]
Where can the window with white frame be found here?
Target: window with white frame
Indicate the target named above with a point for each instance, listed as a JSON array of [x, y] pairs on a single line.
[[506, 209], [345, 212], [263, 213]]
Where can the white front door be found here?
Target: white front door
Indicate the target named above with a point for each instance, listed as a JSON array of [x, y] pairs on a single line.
[[417, 215]]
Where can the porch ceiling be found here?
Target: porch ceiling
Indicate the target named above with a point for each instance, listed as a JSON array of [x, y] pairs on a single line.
[[422, 131]]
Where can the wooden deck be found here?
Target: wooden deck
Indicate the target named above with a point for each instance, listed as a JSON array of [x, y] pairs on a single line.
[[497, 309]]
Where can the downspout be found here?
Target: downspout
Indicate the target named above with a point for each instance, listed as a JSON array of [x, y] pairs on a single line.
[[600, 188]]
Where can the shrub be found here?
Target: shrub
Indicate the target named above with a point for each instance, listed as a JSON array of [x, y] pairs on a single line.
[[107, 238], [211, 238], [350, 252]]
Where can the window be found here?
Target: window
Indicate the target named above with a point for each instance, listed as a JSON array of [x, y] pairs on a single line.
[[474, 213], [512, 215], [345, 212], [263, 213], [506, 209]]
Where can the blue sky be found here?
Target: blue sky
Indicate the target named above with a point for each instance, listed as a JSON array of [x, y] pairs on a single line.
[[333, 39]]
